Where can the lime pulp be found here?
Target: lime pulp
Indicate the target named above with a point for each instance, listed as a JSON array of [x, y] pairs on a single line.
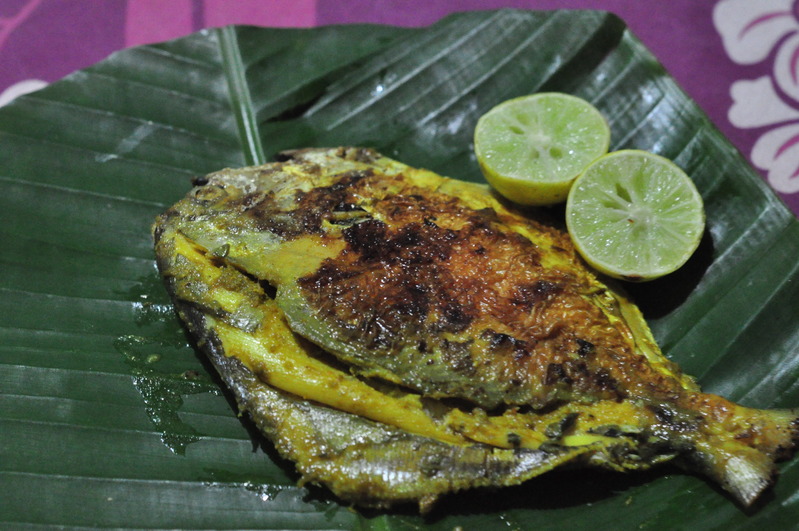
[[635, 215], [531, 148]]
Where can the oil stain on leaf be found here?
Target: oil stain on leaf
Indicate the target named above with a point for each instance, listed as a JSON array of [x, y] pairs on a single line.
[[163, 391], [162, 364]]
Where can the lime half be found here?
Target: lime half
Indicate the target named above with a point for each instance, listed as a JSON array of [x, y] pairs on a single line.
[[635, 215], [531, 148]]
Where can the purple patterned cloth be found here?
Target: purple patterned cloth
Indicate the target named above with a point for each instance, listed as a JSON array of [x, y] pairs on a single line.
[[738, 59]]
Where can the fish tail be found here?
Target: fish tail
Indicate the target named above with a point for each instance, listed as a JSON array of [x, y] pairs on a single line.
[[742, 450]]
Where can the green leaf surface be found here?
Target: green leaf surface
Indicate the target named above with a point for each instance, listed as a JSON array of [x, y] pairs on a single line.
[[109, 418]]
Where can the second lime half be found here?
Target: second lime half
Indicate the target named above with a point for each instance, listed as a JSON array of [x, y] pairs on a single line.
[[635, 215]]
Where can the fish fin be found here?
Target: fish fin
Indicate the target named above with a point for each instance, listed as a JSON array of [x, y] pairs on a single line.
[[742, 458]]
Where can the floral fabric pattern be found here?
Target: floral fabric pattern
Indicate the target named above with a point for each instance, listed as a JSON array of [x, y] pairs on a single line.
[[766, 31], [9, 21]]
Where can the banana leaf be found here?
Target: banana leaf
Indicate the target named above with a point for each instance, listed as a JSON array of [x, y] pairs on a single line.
[[109, 417]]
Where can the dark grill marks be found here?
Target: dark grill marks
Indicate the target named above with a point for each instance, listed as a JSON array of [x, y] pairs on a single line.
[[577, 374], [454, 316], [326, 277], [367, 239], [677, 420], [604, 381], [585, 348], [506, 345], [556, 373], [528, 295]]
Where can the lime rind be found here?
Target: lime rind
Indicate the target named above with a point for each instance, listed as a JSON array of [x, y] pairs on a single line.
[[531, 148], [635, 215]]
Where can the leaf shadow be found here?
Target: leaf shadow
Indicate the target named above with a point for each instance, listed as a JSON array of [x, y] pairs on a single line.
[[659, 297], [559, 489], [555, 490]]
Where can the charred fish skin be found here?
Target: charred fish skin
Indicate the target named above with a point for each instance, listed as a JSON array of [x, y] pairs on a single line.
[[436, 290]]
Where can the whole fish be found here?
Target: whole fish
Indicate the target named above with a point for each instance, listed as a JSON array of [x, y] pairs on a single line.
[[401, 335]]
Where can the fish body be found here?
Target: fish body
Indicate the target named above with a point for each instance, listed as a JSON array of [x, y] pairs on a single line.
[[401, 335]]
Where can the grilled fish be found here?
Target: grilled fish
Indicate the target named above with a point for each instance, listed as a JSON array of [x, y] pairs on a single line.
[[401, 335]]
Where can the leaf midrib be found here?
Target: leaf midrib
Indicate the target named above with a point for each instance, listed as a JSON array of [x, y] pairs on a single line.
[[241, 103]]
